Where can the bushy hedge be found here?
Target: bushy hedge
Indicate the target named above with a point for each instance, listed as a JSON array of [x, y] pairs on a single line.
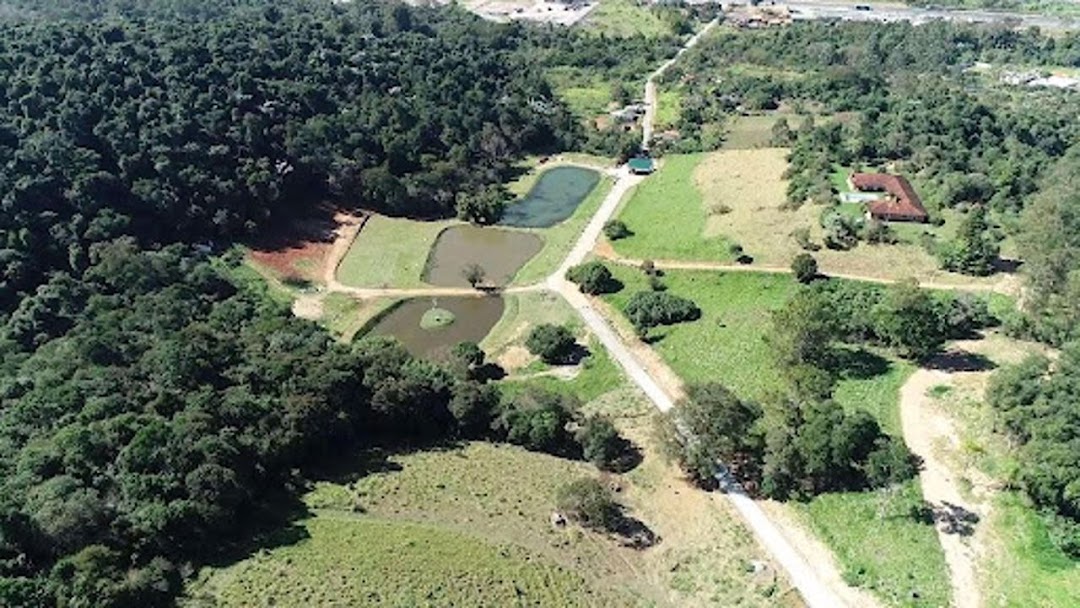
[[648, 309]]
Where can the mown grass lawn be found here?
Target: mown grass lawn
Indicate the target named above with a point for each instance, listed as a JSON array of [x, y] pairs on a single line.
[[390, 252], [885, 551], [667, 216], [560, 238], [344, 316]]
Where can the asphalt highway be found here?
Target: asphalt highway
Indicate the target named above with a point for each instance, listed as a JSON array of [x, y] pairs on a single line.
[[882, 12]]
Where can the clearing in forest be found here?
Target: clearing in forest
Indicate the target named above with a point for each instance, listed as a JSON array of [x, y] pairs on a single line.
[[297, 255], [623, 18], [461, 526], [697, 206]]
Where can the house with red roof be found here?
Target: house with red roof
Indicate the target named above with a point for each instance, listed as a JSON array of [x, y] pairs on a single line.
[[900, 203]]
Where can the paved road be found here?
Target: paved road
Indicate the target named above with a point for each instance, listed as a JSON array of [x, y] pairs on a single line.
[[845, 10]]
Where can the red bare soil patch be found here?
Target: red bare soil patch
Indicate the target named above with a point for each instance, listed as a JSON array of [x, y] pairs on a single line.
[[301, 249]]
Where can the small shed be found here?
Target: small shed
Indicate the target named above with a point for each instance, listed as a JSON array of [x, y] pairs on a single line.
[[641, 165]]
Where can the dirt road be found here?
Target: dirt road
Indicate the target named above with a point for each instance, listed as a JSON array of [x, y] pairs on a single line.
[[1003, 287], [924, 428], [650, 85]]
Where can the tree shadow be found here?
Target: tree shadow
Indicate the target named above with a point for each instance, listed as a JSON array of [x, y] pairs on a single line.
[[633, 533], [313, 224], [489, 372], [630, 457], [653, 337], [576, 355], [960, 361], [954, 519], [271, 523], [858, 364], [1007, 265]]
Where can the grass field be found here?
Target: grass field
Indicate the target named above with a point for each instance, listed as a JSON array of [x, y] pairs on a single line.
[[697, 205], [748, 186], [1036, 573], [622, 18], [668, 218], [560, 238], [389, 252], [879, 547], [349, 561], [344, 315], [890, 555], [726, 344], [668, 108], [749, 132], [587, 94]]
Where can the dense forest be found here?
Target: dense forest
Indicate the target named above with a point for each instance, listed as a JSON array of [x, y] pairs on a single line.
[[155, 403], [166, 132]]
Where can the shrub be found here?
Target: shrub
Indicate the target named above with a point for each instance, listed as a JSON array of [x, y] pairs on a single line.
[[616, 229], [649, 268], [651, 308], [719, 209], [591, 504], [805, 267], [889, 463], [552, 343], [735, 249], [802, 237], [537, 420], [600, 443], [656, 284], [592, 278], [877, 232]]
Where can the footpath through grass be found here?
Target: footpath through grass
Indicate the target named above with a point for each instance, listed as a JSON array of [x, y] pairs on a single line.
[[878, 544], [667, 216]]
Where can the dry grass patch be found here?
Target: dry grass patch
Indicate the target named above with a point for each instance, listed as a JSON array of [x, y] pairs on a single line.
[[743, 191]]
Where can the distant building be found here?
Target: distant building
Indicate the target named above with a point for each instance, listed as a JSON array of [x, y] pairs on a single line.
[[641, 165], [900, 203]]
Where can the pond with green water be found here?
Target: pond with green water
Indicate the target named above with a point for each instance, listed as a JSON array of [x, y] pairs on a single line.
[[554, 198]]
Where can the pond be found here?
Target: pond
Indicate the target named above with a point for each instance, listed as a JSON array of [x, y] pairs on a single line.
[[472, 319], [501, 253], [552, 199]]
